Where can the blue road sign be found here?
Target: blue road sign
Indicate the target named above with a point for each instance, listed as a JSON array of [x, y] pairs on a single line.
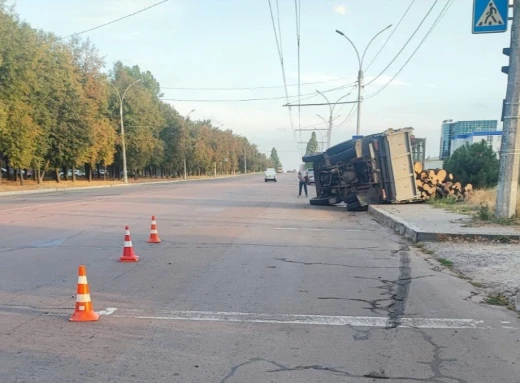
[[490, 16]]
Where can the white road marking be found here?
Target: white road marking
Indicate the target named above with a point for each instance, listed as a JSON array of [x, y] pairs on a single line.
[[323, 320], [107, 311]]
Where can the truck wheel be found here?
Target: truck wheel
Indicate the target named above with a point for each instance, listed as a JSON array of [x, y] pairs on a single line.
[[356, 206], [316, 201], [266, 180], [351, 198]]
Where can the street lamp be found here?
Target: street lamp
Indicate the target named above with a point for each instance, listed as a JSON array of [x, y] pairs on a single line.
[[123, 145], [184, 139], [360, 73], [331, 109]]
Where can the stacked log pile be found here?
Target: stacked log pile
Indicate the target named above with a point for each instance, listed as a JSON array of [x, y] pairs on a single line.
[[437, 183]]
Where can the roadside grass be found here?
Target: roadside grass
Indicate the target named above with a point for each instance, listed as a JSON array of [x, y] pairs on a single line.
[[480, 205], [445, 262], [422, 246], [497, 300]]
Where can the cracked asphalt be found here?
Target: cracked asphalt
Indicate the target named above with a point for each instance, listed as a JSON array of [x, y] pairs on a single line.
[[250, 284]]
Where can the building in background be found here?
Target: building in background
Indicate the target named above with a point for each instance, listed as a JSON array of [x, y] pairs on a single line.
[[493, 139], [455, 134]]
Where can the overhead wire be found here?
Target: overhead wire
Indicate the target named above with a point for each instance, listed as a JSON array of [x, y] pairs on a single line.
[[278, 39], [405, 45], [443, 12], [390, 36], [307, 96], [348, 117], [255, 87], [297, 5], [116, 20]]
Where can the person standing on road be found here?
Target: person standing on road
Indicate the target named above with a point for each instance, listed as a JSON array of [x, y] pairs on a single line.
[[304, 179]]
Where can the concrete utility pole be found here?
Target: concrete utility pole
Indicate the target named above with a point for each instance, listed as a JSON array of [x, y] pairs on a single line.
[[245, 161], [360, 74], [509, 151], [184, 159], [123, 144], [331, 110]]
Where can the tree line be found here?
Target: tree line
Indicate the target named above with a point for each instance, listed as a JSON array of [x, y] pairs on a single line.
[[60, 110]]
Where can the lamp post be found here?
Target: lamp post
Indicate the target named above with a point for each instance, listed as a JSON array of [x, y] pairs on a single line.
[[123, 145], [331, 109], [184, 142], [360, 73]]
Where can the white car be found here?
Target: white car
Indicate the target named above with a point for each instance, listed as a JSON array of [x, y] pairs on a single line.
[[310, 174], [270, 175]]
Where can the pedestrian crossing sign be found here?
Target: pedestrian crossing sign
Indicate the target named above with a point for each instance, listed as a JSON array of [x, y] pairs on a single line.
[[490, 16]]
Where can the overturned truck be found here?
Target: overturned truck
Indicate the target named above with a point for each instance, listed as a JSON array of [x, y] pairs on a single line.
[[366, 170]]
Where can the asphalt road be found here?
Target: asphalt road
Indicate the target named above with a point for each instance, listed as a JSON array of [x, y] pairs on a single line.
[[250, 284]]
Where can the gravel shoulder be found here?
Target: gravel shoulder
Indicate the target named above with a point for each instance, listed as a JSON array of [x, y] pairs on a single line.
[[495, 266]]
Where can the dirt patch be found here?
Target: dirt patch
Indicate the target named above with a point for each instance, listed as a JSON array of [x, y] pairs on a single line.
[[492, 266]]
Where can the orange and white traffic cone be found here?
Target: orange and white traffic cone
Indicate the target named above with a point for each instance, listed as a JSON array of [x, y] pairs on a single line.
[[128, 249], [154, 235], [83, 311]]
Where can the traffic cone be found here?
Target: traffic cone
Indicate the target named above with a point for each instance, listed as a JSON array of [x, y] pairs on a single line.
[[83, 311], [128, 249], [154, 235]]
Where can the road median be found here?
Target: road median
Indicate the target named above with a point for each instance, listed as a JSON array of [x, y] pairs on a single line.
[[102, 185]]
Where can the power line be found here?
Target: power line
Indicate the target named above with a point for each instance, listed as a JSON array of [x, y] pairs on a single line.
[[390, 36], [254, 87], [349, 116], [308, 96], [297, 9], [405, 45], [278, 39], [116, 20], [443, 12]]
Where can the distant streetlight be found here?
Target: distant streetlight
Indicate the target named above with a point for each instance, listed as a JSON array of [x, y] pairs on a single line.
[[123, 145], [184, 143], [331, 109], [360, 73]]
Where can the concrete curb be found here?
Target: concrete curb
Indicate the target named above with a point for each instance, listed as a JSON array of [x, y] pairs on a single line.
[[72, 189], [415, 234]]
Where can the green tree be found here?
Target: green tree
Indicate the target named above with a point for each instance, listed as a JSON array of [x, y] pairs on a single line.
[[476, 164], [275, 158], [312, 145]]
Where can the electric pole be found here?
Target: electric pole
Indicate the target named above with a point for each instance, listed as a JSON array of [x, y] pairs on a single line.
[[359, 100], [184, 121], [245, 161], [360, 73], [123, 144], [509, 151]]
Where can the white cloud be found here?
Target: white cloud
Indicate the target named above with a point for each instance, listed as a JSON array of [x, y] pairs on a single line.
[[340, 9], [430, 85]]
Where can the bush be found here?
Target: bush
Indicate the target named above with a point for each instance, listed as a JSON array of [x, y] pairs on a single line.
[[476, 164]]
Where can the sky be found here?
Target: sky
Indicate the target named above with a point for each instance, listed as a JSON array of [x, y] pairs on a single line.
[[231, 44]]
